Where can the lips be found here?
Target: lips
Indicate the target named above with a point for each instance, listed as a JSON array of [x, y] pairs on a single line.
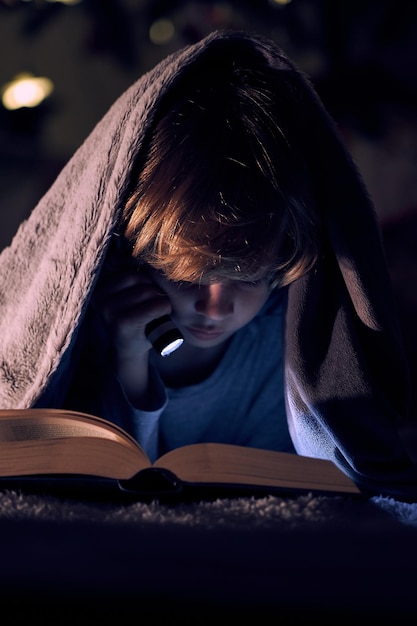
[[205, 333]]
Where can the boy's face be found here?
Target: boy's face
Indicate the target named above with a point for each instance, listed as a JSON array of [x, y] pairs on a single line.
[[208, 315]]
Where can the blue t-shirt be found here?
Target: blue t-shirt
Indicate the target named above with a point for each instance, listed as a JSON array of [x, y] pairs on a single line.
[[241, 402]]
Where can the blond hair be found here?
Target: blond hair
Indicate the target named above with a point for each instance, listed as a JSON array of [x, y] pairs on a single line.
[[224, 192]]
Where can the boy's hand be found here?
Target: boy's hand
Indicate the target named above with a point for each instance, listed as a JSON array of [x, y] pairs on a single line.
[[128, 299]]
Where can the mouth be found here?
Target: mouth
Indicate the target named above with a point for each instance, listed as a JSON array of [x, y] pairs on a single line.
[[205, 333]]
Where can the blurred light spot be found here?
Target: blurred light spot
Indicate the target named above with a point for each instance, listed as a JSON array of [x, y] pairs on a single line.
[[25, 90], [280, 2], [161, 31]]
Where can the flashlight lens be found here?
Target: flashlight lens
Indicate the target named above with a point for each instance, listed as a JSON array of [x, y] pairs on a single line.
[[164, 335]]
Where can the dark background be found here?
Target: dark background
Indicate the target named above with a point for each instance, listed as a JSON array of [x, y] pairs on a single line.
[[360, 54]]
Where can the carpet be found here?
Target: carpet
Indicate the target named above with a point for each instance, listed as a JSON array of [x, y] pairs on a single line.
[[265, 558]]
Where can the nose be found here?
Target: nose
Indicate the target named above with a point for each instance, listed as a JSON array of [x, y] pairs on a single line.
[[215, 301]]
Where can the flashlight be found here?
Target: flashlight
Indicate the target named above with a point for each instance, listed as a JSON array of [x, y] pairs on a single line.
[[164, 335]]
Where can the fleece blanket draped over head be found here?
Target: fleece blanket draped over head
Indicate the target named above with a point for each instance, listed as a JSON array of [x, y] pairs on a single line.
[[346, 381]]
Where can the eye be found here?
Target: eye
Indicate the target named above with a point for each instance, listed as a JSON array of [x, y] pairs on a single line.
[[251, 284], [182, 284]]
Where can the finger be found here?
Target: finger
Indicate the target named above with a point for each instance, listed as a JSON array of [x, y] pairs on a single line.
[[131, 302]]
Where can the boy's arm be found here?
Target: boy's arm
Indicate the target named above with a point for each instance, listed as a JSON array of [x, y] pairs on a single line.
[[127, 299], [142, 424]]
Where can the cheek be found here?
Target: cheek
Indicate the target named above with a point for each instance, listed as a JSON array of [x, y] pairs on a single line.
[[181, 300], [249, 304]]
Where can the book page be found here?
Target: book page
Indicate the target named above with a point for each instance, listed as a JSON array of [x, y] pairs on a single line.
[[50, 441], [228, 464], [30, 424], [48, 428]]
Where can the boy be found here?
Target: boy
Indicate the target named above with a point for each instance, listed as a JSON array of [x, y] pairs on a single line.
[[221, 222], [215, 190]]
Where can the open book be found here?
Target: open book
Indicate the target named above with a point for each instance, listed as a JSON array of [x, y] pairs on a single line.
[[61, 444]]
